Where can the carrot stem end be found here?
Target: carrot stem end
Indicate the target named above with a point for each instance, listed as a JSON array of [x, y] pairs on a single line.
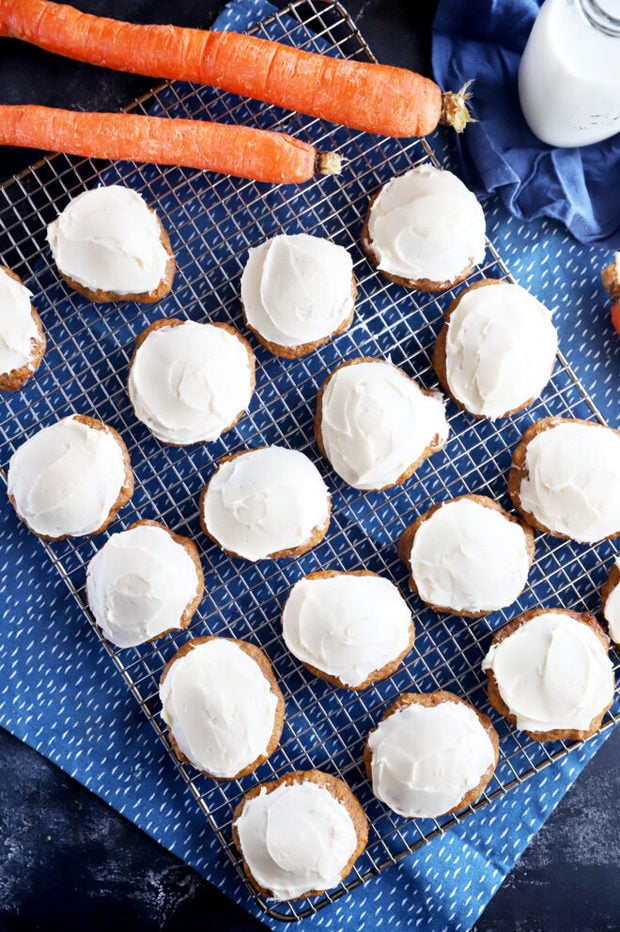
[[328, 163], [454, 111], [611, 278]]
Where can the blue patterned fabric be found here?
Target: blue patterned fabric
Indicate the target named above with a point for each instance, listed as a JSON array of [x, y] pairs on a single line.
[[483, 40], [60, 694]]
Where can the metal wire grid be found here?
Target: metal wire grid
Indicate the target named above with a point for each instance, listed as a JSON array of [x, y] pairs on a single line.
[[212, 222]]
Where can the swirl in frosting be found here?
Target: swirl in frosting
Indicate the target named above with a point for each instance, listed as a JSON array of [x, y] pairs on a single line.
[[427, 758], [426, 224], [295, 839], [139, 584], [468, 557], [219, 707], [264, 501], [347, 625], [376, 422], [66, 478], [552, 673], [572, 480], [612, 609], [107, 239], [188, 382], [17, 325], [297, 289], [500, 349]]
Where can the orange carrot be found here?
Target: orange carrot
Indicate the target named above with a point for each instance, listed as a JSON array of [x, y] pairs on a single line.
[[611, 284], [235, 150], [376, 98], [611, 278]]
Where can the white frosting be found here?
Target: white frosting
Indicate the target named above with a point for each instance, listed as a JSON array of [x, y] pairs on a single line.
[[500, 349], [139, 585], [376, 422], [469, 558], [552, 673], [297, 289], [426, 224], [572, 481], [219, 707], [425, 759], [189, 382], [612, 610], [265, 501], [295, 839], [17, 326], [107, 239], [66, 478], [347, 626]]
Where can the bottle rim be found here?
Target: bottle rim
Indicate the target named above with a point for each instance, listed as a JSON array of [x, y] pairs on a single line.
[[599, 17]]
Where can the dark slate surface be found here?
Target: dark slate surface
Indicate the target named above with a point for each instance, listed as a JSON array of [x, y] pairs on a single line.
[[70, 862]]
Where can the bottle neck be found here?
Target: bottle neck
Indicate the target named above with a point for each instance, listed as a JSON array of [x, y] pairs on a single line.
[[602, 15]]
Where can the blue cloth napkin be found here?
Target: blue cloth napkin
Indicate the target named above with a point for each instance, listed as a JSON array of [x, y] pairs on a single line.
[[60, 693], [483, 40]]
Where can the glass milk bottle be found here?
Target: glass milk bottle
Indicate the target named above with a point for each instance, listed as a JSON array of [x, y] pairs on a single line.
[[569, 76]]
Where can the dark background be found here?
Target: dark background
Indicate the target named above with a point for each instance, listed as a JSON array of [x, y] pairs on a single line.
[[67, 860]]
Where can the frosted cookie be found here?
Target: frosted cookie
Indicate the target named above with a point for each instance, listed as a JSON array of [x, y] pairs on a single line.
[[376, 425], [425, 230], [467, 556], [431, 753], [297, 292], [299, 835], [611, 602], [144, 582], [22, 340], [496, 350], [190, 382], [565, 479], [351, 629], [265, 503], [550, 674], [70, 479], [109, 245], [222, 705]]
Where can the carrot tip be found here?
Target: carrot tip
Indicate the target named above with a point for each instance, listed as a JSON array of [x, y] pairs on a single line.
[[454, 111], [611, 278], [328, 163]]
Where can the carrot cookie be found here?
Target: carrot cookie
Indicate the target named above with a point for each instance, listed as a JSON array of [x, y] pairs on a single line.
[[351, 629], [265, 503], [565, 479], [299, 835], [496, 350], [376, 425], [431, 753], [109, 245], [550, 674], [467, 556], [611, 602], [144, 582], [425, 230], [22, 341], [70, 479], [297, 292], [190, 382], [222, 706]]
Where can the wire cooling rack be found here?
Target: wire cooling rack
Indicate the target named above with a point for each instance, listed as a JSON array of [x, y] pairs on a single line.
[[212, 221]]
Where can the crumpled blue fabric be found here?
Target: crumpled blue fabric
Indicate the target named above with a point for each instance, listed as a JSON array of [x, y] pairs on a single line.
[[483, 40]]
